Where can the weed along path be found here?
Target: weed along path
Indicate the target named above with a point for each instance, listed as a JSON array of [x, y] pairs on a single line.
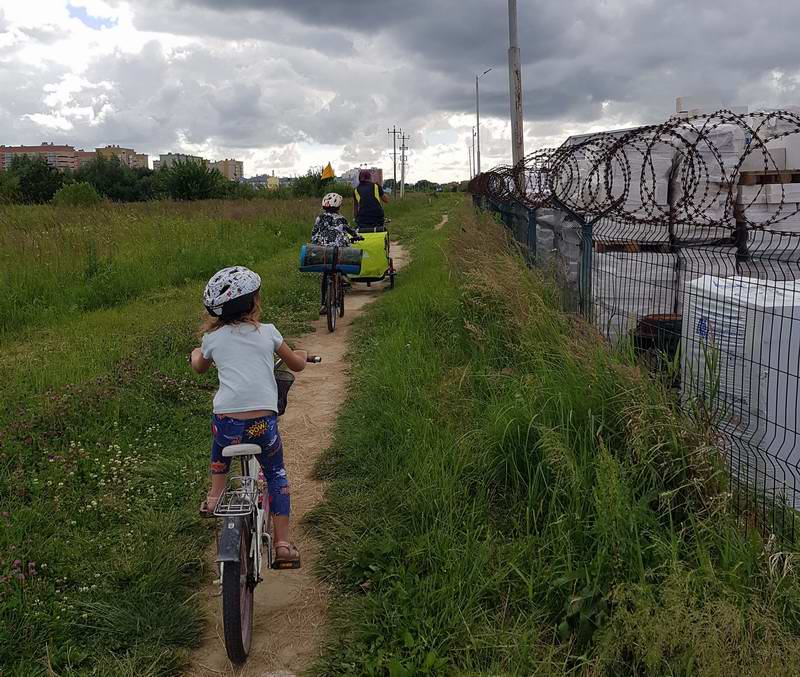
[[445, 219], [290, 606]]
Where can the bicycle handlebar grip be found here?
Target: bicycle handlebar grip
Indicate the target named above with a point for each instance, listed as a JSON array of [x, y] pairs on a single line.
[[314, 359]]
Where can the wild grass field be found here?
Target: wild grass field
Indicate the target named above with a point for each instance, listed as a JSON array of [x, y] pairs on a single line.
[[103, 429], [56, 262], [508, 497]]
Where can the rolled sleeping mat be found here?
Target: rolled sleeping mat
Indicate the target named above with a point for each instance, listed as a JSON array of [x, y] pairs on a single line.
[[317, 259]]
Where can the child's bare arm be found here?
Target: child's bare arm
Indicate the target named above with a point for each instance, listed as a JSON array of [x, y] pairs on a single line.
[[199, 363], [294, 359]]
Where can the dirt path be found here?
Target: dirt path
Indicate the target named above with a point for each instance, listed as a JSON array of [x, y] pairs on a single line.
[[290, 607], [445, 219]]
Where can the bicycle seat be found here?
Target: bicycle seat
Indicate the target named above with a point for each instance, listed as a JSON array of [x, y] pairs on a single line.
[[241, 450]]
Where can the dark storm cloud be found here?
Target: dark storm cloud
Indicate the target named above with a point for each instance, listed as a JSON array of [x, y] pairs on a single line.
[[576, 54]]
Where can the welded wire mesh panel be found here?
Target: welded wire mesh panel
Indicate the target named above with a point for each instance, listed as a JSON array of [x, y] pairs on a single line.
[[682, 241], [740, 352]]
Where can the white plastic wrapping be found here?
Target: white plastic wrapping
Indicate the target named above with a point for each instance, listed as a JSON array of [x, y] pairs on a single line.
[[740, 358], [629, 286]]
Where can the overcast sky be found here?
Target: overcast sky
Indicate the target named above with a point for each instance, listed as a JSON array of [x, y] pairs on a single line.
[[286, 84]]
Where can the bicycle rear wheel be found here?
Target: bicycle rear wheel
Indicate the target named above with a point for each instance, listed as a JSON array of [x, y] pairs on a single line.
[[330, 302], [238, 581], [340, 300]]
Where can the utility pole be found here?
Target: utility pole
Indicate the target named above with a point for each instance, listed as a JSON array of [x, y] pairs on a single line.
[[470, 152], [403, 149], [478, 126], [393, 133], [473, 151], [515, 85]]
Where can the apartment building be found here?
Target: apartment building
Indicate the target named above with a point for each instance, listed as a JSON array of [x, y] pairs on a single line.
[[60, 157], [127, 156], [84, 156], [67, 157], [166, 160], [351, 175], [233, 170]]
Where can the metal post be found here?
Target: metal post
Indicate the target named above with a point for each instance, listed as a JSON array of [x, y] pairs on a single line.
[[478, 120], [474, 163], [403, 148], [515, 85], [478, 126], [394, 158], [531, 236], [469, 153], [585, 273]]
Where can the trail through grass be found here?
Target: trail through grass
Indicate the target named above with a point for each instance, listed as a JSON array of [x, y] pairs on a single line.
[[509, 497], [104, 432]]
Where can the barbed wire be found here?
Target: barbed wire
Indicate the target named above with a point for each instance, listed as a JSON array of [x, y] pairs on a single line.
[[683, 172]]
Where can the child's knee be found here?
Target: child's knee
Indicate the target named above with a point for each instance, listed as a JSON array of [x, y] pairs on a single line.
[[219, 467]]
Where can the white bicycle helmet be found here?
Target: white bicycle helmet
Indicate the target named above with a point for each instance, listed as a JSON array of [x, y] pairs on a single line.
[[231, 291], [332, 201]]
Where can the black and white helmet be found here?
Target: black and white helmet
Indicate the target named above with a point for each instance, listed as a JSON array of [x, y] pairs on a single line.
[[231, 291]]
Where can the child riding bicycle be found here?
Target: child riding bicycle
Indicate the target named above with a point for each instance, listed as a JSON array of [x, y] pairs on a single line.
[[331, 229], [246, 403]]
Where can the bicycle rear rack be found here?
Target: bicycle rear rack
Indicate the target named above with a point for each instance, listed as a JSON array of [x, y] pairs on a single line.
[[240, 497]]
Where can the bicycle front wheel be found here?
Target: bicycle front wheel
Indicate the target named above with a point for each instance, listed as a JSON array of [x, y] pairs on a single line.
[[331, 300], [238, 581]]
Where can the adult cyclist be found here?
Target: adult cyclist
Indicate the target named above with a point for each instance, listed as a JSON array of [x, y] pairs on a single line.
[[367, 202]]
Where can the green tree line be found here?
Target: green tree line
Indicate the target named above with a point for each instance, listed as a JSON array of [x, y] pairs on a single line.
[[30, 180]]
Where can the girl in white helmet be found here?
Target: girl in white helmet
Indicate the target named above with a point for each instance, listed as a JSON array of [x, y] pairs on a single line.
[[331, 229], [246, 404]]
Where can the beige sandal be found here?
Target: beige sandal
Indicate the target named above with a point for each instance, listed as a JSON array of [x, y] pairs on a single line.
[[291, 558]]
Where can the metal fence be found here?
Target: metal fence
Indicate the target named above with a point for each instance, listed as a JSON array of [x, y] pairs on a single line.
[[681, 242]]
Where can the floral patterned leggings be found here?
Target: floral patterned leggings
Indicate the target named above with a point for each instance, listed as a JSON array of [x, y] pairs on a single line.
[[262, 431]]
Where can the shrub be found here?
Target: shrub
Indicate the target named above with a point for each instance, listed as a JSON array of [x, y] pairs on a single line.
[[119, 183], [9, 188], [79, 194], [38, 181], [193, 181]]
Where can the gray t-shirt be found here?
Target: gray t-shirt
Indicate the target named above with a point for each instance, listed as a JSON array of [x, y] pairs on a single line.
[[245, 361]]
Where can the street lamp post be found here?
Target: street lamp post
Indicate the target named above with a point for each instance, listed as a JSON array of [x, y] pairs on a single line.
[[478, 121], [473, 150]]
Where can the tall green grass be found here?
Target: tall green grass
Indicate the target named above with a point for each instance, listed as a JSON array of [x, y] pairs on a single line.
[[508, 497], [104, 443], [57, 261]]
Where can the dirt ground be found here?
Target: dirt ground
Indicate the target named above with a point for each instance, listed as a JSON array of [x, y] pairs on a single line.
[[290, 606]]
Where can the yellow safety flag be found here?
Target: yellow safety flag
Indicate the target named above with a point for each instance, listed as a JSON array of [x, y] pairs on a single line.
[[327, 173]]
